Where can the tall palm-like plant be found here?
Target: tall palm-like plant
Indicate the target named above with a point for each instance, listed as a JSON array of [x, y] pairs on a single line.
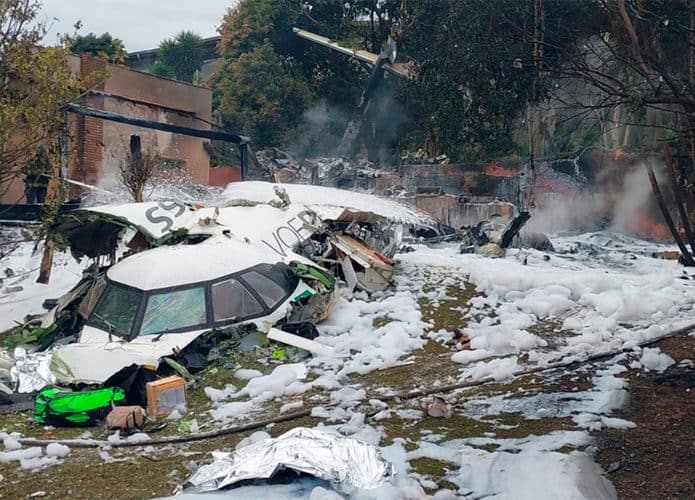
[[180, 57]]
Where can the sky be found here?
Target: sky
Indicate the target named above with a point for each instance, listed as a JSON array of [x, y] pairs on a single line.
[[141, 24]]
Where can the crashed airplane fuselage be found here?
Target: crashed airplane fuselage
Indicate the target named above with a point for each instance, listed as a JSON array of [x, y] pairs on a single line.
[[352, 234], [157, 302], [262, 257]]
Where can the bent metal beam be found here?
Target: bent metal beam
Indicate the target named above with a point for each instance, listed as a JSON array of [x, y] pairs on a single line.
[[217, 135]]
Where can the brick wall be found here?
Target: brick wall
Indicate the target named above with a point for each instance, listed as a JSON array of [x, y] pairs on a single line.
[[90, 131], [221, 176]]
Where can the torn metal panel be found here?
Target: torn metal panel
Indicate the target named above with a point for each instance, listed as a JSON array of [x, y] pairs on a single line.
[[314, 217], [491, 239], [254, 212], [347, 463], [318, 196], [349, 273], [375, 271], [512, 230], [154, 219], [278, 230]]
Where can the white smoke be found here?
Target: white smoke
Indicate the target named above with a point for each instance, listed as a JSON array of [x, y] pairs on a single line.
[[562, 213], [616, 204], [635, 200]]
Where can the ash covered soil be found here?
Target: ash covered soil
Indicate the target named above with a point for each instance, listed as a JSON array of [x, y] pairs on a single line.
[[619, 425]]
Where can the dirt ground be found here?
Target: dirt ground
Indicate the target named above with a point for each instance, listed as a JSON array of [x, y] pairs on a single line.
[[656, 459]]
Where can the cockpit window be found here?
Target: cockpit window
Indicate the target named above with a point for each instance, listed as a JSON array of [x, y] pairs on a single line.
[[230, 300], [269, 290], [174, 310], [116, 311], [128, 312]]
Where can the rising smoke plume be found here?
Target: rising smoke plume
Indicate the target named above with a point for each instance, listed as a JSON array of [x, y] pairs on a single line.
[[323, 127], [624, 204]]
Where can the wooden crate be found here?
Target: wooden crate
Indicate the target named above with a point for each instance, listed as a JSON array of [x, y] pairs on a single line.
[[165, 395]]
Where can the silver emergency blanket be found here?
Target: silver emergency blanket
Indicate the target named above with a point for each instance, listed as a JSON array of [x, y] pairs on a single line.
[[31, 372], [347, 463]]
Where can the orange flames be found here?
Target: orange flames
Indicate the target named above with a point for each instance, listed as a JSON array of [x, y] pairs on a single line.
[[495, 170], [649, 229]]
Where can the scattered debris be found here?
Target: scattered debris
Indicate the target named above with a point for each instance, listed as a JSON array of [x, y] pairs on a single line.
[[437, 407], [460, 340], [420, 157], [668, 255], [325, 225], [126, 418], [491, 240], [60, 407], [347, 463], [282, 167], [298, 341], [165, 396]]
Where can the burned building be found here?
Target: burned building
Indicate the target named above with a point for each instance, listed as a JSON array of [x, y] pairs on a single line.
[[97, 148]]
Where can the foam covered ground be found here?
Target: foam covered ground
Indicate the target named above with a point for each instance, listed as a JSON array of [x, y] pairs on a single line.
[[600, 293]]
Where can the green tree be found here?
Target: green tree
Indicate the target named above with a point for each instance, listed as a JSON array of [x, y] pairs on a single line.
[[640, 65], [257, 36], [180, 57], [264, 95], [104, 46], [35, 84], [480, 64]]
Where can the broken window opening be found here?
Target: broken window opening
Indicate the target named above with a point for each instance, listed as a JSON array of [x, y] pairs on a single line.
[[270, 292], [92, 297], [135, 146]]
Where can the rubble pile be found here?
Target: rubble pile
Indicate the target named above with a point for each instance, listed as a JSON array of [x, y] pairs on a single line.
[[302, 281], [276, 165], [420, 157]]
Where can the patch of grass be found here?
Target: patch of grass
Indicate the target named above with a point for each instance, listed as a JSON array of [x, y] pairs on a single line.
[[380, 321], [448, 313], [435, 470], [522, 384], [550, 330], [85, 475], [456, 427], [489, 447], [519, 427], [425, 367]]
